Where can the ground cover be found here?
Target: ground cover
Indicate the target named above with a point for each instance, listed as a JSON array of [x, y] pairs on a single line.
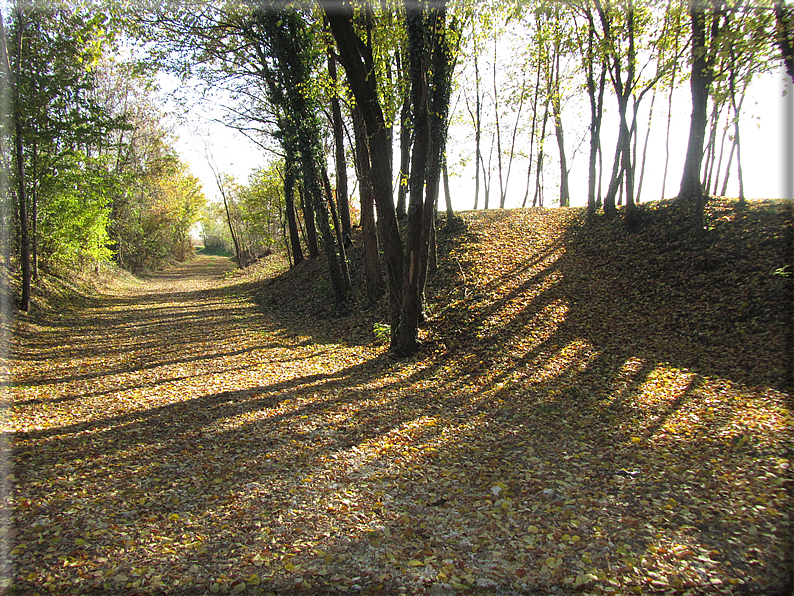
[[592, 411]]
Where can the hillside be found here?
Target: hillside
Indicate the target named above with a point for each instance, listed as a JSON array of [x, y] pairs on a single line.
[[591, 411]]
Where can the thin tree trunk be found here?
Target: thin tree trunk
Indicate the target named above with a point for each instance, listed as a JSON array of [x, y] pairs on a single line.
[[289, 200], [405, 154], [645, 147], [515, 132], [341, 165], [477, 131], [502, 190], [726, 176], [737, 111], [24, 240], [340, 242], [447, 195], [711, 146], [667, 133], [537, 200], [308, 221], [532, 134], [565, 199], [34, 195], [370, 238], [486, 176]]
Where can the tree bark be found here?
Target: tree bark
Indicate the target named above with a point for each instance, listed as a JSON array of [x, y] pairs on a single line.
[[699, 83], [412, 303], [292, 224], [338, 228], [447, 195], [565, 198], [341, 165], [372, 271], [308, 221], [477, 130], [405, 153], [24, 240]]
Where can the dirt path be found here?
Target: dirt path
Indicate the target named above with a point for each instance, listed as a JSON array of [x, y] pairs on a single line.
[[126, 416], [131, 349]]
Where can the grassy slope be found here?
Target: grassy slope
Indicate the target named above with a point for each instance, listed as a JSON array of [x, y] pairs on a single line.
[[651, 352]]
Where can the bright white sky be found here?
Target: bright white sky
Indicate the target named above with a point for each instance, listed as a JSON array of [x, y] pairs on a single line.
[[762, 135]]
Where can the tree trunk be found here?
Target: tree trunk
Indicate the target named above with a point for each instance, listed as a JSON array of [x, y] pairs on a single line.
[[308, 221], [667, 132], [371, 259], [405, 153], [34, 223], [356, 57], [292, 224], [341, 164], [477, 131], [645, 147], [412, 303], [502, 190], [532, 132], [565, 198], [596, 112], [447, 195], [338, 228], [486, 175], [736, 112], [699, 83], [537, 200], [24, 239]]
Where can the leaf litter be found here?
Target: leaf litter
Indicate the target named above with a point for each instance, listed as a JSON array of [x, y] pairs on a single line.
[[592, 411]]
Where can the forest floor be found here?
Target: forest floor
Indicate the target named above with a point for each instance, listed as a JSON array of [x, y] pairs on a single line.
[[592, 411]]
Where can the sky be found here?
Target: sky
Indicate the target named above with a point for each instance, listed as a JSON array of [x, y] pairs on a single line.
[[762, 131]]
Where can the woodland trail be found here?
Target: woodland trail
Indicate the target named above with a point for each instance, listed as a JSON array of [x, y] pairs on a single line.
[[561, 429]]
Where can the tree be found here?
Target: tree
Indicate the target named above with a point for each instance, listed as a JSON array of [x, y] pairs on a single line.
[[784, 29], [287, 57], [357, 58], [363, 169], [425, 26], [339, 146], [707, 19]]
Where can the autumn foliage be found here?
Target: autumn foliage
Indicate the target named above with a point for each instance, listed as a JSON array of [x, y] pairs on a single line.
[[592, 410]]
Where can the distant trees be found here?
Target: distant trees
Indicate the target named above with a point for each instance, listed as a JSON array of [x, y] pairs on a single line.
[[611, 57], [94, 176]]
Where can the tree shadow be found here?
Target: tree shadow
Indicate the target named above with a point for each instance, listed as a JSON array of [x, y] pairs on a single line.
[[522, 412]]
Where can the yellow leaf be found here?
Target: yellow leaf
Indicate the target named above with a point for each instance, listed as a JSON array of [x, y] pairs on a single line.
[[173, 517], [289, 566], [636, 440], [415, 563]]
